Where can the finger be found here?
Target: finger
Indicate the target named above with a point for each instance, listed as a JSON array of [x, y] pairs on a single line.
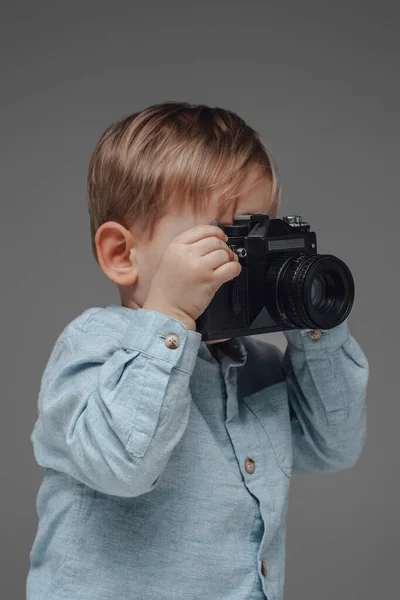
[[227, 271], [198, 232], [206, 245], [214, 259]]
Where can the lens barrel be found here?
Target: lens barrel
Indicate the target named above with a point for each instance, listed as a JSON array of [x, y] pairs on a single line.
[[309, 291]]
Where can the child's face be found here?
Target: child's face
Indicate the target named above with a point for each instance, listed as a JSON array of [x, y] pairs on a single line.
[[140, 260]]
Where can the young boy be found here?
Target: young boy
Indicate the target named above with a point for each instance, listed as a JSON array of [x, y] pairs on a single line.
[[167, 460]]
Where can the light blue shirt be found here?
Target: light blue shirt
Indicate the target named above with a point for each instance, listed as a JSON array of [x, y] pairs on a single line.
[[166, 471]]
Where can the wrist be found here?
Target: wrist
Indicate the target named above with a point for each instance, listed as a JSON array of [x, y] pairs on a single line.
[[171, 311]]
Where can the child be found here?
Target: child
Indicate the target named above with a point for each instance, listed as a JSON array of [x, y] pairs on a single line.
[[167, 460]]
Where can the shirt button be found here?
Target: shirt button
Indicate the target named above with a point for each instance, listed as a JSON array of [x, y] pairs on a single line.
[[249, 465], [314, 335], [264, 568], [172, 341]]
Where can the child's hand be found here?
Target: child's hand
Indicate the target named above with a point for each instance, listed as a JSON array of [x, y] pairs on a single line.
[[194, 265]]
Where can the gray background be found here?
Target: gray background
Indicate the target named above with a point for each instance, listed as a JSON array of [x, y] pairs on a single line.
[[319, 81]]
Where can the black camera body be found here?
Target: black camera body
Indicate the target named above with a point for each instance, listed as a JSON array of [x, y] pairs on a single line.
[[283, 284]]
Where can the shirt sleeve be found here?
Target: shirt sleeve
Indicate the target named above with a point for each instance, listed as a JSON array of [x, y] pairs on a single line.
[[327, 380], [112, 409]]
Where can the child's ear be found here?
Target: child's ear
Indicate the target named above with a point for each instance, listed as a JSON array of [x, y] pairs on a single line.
[[116, 253]]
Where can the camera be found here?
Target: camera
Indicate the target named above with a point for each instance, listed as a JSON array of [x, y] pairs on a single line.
[[283, 284]]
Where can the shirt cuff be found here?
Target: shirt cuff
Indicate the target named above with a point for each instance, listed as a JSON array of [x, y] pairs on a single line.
[[149, 328], [330, 339]]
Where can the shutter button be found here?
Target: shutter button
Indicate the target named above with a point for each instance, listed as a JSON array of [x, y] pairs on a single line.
[[172, 341], [249, 465], [314, 335]]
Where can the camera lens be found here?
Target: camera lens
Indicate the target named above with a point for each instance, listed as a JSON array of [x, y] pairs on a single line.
[[309, 291], [322, 291], [317, 290]]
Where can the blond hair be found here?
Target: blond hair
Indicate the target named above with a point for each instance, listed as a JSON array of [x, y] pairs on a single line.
[[171, 154]]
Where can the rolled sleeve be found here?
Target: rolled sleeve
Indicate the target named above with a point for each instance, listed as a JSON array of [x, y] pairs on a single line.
[[147, 331], [112, 409], [330, 338], [327, 376]]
